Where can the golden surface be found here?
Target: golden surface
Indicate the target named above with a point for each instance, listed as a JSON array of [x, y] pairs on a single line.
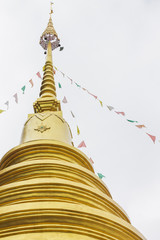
[[48, 187], [50, 29]]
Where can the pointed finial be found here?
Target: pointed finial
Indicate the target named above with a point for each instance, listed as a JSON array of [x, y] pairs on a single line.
[[50, 35], [51, 9]]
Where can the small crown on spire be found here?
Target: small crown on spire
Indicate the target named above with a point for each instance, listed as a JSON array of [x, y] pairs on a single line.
[[50, 35]]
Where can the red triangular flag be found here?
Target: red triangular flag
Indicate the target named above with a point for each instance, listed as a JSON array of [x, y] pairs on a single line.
[[16, 97], [64, 100], [91, 161], [122, 113], [92, 95], [31, 82], [152, 137], [39, 75], [82, 144]]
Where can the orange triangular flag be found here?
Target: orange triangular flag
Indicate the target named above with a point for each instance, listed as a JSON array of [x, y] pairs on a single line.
[[140, 126], [64, 100], [31, 82], [82, 144], [152, 137]]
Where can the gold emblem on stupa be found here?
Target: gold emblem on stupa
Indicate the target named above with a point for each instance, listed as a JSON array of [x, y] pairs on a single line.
[[42, 128]]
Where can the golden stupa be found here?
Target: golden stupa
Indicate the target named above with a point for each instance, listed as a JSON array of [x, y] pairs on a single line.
[[48, 187]]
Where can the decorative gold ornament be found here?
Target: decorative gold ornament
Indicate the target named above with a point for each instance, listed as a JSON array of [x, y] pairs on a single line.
[[42, 128]]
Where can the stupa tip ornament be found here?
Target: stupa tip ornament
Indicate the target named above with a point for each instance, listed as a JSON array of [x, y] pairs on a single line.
[[50, 35]]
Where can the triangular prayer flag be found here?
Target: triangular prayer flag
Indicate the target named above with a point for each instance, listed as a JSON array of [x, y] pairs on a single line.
[[16, 97], [23, 89], [44, 67], [39, 75], [78, 131], [100, 175], [62, 74], [54, 72], [70, 80], [55, 68], [64, 100], [110, 108], [72, 114], [7, 103], [31, 82], [59, 85], [152, 137], [82, 144], [140, 126], [91, 161], [92, 94], [84, 89], [122, 113], [77, 84], [1, 111], [101, 103], [131, 121]]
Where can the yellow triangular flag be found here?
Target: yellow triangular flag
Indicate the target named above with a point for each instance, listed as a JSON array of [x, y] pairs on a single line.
[[44, 67], [78, 131], [1, 111], [101, 103]]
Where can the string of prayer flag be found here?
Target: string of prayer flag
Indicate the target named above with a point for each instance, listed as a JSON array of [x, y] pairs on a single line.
[[131, 121], [77, 85], [140, 126], [122, 113], [31, 82], [7, 103], [16, 97], [152, 137], [82, 144], [110, 108], [100, 175], [64, 100], [72, 114], [59, 85], [23, 89], [91, 93], [101, 103], [91, 161], [39, 75], [78, 131]]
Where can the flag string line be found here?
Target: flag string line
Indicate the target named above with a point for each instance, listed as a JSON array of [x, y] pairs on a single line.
[[71, 112], [111, 108]]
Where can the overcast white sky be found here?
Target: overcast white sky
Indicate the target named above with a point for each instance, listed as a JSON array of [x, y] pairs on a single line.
[[112, 47]]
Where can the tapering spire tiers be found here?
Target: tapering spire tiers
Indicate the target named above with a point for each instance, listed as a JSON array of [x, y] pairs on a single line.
[[47, 101]]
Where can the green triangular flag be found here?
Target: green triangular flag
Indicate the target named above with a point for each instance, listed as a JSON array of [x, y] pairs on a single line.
[[100, 175], [132, 121], [77, 84], [23, 89], [59, 85]]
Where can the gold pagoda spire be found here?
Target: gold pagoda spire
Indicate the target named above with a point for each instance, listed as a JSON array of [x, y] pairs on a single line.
[[48, 88], [49, 42]]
